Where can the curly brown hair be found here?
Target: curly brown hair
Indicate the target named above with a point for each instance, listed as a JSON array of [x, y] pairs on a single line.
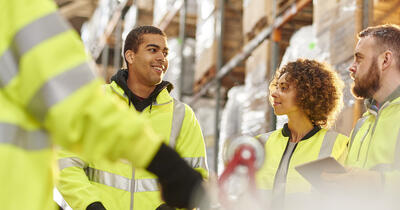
[[318, 89]]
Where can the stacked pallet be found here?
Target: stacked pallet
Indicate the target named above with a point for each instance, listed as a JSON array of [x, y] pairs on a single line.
[[386, 11], [145, 12], [257, 14], [261, 57], [206, 45], [334, 26]]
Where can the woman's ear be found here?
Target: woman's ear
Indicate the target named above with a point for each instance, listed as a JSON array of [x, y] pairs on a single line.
[[129, 55]]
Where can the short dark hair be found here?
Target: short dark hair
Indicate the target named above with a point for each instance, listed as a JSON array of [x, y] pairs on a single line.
[[134, 37], [386, 36], [318, 89]]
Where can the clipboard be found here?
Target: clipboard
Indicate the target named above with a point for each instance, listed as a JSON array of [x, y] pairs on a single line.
[[311, 171]]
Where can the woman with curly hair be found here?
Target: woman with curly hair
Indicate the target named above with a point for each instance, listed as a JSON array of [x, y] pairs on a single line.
[[310, 94]]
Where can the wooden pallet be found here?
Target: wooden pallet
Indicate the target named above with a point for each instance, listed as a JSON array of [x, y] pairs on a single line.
[[209, 75], [257, 28]]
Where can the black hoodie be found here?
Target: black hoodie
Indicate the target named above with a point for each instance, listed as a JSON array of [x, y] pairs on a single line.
[[139, 103]]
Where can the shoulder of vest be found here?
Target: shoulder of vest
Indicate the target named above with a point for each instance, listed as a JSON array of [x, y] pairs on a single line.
[[263, 138], [115, 88], [163, 97]]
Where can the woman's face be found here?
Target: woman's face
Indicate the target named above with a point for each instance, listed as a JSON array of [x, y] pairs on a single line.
[[283, 97]]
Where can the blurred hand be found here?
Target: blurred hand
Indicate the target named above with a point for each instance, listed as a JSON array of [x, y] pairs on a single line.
[[354, 178]]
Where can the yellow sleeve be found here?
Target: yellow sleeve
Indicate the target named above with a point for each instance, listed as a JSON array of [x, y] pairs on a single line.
[[55, 85], [340, 148], [95, 127], [190, 143]]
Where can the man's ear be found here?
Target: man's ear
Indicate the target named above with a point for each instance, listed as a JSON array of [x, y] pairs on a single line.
[[387, 59], [129, 55]]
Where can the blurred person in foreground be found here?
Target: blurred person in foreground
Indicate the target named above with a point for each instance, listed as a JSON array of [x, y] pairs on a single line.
[[373, 162], [117, 185], [310, 94], [49, 96]]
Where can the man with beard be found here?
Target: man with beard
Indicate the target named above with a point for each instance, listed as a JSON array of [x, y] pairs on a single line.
[[373, 161]]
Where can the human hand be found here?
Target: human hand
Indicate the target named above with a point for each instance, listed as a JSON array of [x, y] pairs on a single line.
[[353, 178]]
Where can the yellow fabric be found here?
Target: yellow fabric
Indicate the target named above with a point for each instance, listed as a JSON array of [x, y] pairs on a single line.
[[376, 141], [305, 151], [79, 192], [85, 121]]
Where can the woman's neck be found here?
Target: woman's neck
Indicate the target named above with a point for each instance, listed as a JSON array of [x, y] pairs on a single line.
[[299, 125]]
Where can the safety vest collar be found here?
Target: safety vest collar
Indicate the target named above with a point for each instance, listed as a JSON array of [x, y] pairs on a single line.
[[286, 132], [372, 108], [163, 98], [118, 90]]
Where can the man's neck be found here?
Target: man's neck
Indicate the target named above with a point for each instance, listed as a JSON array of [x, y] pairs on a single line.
[[389, 84], [139, 89]]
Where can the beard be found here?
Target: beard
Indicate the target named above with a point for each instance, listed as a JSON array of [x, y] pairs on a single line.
[[366, 86]]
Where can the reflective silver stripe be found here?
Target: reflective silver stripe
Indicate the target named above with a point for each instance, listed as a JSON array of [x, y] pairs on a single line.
[[59, 199], [196, 162], [9, 68], [19, 137], [177, 120], [121, 182], [38, 31], [59, 88], [71, 162], [359, 123], [109, 179], [25, 39], [327, 144], [263, 138], [146, 185]]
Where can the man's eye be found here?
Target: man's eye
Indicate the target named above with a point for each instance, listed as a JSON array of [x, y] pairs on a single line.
[[152, 50], [165, 54]]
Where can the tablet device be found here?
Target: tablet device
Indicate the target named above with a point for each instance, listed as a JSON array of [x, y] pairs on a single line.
[[311, 171]]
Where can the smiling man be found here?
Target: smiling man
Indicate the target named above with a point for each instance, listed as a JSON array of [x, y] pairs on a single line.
[[117, 185]]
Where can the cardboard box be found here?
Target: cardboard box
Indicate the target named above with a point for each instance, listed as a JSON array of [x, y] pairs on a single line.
[[254, 11], [258, 64], [206, 45], [324, 13], [386, 11], [205, 61], [343, 33]]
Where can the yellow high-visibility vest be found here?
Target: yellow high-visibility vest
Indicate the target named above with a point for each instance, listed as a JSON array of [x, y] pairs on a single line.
[[324, 143], [375, 141], [111, 183]]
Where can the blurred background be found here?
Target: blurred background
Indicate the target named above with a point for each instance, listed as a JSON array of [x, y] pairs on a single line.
[[223, 53]]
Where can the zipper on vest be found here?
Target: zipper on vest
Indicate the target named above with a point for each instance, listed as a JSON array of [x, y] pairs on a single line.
[[373, 130], [362, 142], [133, 183]]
